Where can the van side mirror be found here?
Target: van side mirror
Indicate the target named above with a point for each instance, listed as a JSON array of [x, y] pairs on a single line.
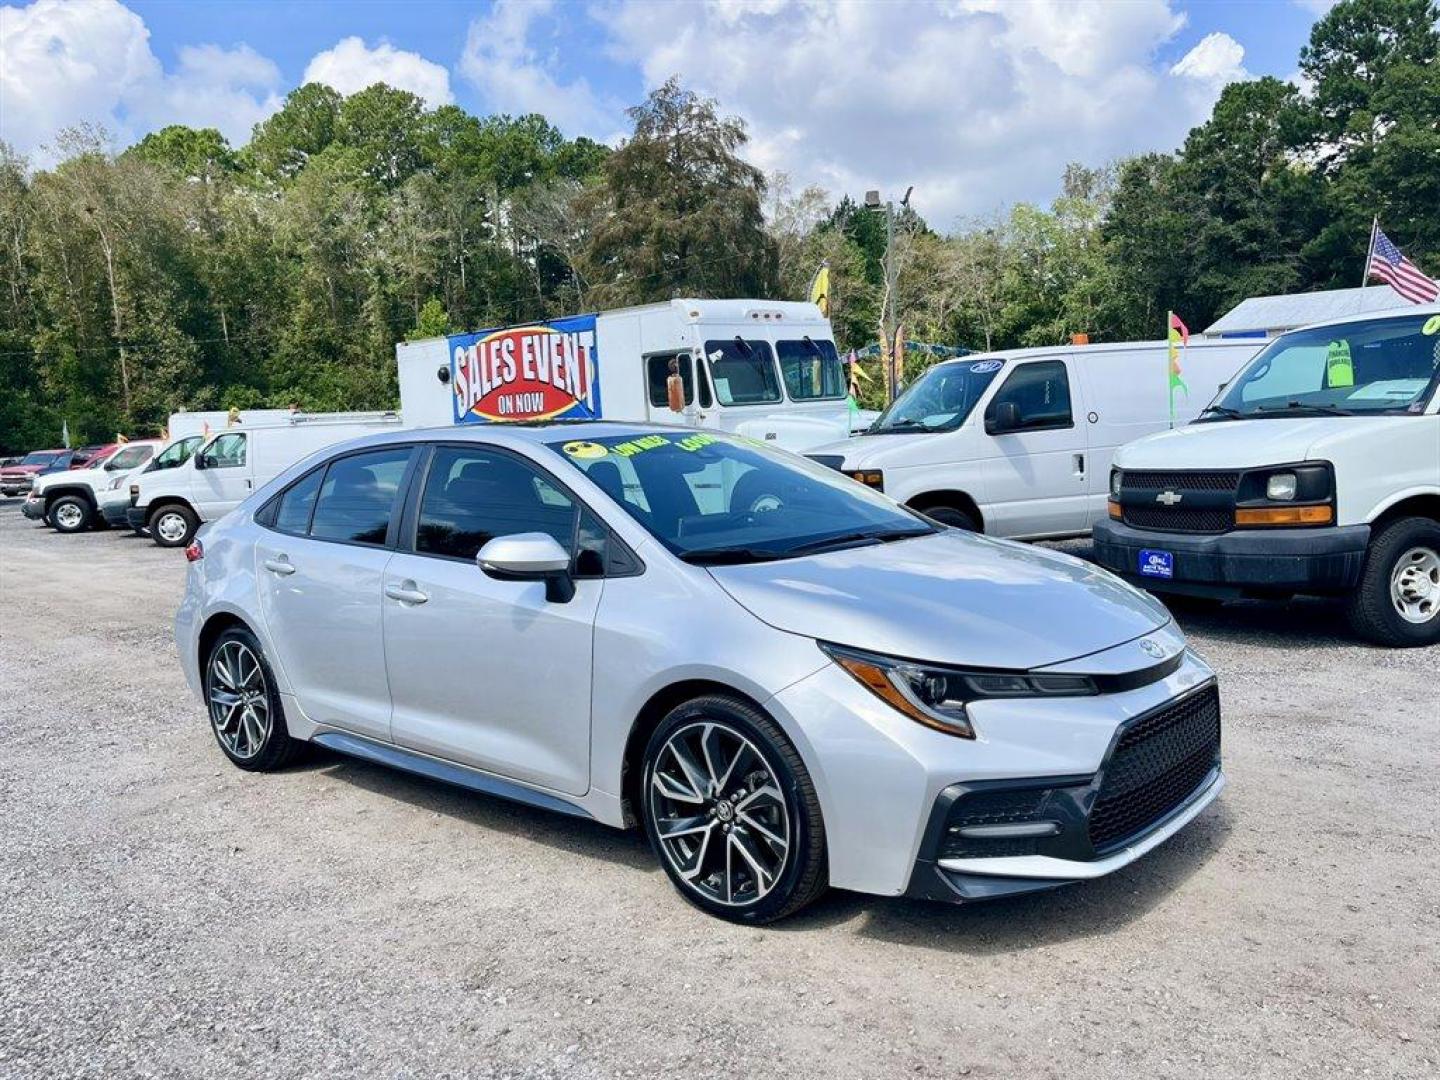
[[1005, 417], [203, 461], [531, 556]]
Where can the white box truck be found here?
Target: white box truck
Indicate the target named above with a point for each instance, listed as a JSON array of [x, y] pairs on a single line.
[[235, 461], [1317, 471], [1018, 443], [762, 368]]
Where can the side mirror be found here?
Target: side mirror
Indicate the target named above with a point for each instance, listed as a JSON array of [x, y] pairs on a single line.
[[530, 557], [1006, 417], [202, 461]]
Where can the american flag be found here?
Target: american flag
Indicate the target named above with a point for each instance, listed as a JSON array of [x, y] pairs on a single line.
[[1388, 264]]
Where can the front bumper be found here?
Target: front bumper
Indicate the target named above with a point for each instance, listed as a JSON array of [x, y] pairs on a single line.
[[11, 488], [1238, 563], [116, 514], [135, 517], [34, 509]]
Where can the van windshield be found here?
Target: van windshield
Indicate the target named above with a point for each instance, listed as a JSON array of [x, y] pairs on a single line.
[[742, 372], [177, 453], [1365, 367], [938, 400], [812, 369]]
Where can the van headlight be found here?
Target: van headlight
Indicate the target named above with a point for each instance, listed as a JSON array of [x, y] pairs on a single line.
[[937, 696], [1281, 487], [1115, 484]]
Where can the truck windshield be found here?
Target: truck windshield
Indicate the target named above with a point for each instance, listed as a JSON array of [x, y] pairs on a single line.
[[811, 369], [711, 499], [177, 453], [40, 457], [1365, 367], [938, 400], [742, 372]]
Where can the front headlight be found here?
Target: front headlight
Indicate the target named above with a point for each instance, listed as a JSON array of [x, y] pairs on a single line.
[[1282, 487], [937, 696], [1115, 484]]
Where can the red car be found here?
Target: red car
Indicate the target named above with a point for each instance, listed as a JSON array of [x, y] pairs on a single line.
[[16, 479]]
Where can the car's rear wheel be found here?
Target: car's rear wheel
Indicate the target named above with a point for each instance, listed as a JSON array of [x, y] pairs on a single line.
[[1398, 600], [173, 525], [731, 812], [244, 704], [69, 514]]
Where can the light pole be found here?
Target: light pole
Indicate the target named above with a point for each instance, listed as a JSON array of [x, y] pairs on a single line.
[[892, 279]]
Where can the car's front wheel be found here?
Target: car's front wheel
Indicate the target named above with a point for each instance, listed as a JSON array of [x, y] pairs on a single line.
[[731, 812], [1398, 600], [244, 703], [173, 525], [70, 514]]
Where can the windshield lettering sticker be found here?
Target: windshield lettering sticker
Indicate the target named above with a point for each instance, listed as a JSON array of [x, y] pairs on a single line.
[[639, 446], [1339, 369], [984, 367], [1432, 326], [695, 442], [587, 451]]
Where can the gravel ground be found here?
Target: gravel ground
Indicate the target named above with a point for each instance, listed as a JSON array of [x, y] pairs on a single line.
[[162, 913]]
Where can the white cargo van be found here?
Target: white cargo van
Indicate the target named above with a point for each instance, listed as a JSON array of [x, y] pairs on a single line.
[[762, 368], [1018, 443], [1317, 471], [223, 472]]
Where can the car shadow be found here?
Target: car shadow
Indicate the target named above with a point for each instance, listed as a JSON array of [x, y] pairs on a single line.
[[1301, 623], [574, 835], [991, 927]]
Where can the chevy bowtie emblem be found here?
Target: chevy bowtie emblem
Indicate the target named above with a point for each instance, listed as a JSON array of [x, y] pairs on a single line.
[[1150, 647], [1169, 498]]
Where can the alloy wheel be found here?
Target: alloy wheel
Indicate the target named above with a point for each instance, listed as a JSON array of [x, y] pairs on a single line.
[[719, 813], [1415, 585], [239, 699]]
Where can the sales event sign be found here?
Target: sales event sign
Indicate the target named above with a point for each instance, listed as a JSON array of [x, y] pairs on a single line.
[[538, 372]]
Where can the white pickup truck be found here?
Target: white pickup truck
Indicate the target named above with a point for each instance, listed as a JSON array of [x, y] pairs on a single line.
[[69, 501], [1317, 470]]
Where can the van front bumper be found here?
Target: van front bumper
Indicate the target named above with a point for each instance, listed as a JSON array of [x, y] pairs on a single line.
[[1239, 563], [135, 517]]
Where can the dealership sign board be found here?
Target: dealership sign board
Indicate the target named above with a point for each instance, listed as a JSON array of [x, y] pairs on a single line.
[[541, 371]]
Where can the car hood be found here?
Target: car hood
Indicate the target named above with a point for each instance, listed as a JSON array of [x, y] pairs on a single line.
[[873, 451], [20, 470], [1243, 444], [953, 598]]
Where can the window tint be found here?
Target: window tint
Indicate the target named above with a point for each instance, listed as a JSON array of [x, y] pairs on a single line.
[[1041, 392], [812, 369], [474, 494], [658, 368], [358, 496], [226, 451], [293, 513], [743, 371]]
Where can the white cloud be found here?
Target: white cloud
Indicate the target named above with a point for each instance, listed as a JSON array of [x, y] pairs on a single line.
[[1217, 59], [1316, 7], [978, 103], [64, 63], [514, 76], [351, 66]]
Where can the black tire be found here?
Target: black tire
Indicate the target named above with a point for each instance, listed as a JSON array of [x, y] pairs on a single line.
[[159, 521], [801, 874], [1372, 608], [69, 514], [276, 748], [953, 516]]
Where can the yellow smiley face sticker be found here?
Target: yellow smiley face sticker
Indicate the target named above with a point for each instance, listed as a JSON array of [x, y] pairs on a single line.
[[586, 451], [1431, 327]]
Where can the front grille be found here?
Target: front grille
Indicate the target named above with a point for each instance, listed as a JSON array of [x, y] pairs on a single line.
[[1206, 519], [1182, 481], [1159, 762]]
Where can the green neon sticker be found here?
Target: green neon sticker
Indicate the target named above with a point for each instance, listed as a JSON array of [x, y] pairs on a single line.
[[1432, 326], [1339, 370]]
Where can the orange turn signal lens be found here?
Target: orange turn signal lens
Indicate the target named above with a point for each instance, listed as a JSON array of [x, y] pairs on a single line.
[[869, 477], [875, 679], [1285, 515], [1114, 508]]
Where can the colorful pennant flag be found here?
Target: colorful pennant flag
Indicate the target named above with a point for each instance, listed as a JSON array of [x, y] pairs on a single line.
[[1179, 336], [820, 289]]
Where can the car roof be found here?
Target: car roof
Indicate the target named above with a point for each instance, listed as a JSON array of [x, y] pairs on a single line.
[[1371, 316], [514, 434]]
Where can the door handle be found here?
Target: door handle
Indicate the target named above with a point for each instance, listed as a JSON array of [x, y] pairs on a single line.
[[1079, 464], [281, 566], [406, 593]]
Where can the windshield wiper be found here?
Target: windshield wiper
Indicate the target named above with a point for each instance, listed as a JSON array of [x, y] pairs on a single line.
[[882, 536], [1302, 406], [722, 556], [1223, 410], [896, 425]]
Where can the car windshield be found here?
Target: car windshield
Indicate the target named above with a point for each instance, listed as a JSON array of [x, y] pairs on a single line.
[[40, 457], [717, 499], [128, 458], [742, 372], [1364, 367], [177, 453], [940, 399], [811, 369]]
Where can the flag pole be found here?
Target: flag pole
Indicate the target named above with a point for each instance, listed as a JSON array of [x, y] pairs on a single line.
[[1370, 251]]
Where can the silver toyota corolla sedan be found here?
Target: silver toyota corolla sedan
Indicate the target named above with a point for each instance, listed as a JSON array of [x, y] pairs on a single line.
[[786, 679]]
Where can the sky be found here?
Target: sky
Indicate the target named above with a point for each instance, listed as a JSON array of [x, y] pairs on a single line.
[[976, 103]]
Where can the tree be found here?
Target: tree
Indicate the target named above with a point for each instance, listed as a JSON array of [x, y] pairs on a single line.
[[283, 144], [679, 211]]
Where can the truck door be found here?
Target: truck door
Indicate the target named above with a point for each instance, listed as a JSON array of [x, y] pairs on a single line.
[[658, 369], [1037, 468], [222, 475]]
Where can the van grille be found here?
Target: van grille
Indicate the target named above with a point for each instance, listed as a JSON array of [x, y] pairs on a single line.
[[1159, 762], [1182, 481], [1179, 520]]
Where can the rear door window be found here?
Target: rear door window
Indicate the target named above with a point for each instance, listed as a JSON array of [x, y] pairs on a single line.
[[358, 495], [293, 513]]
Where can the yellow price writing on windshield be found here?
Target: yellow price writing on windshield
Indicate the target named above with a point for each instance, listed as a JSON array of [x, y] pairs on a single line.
[[1431, 327]]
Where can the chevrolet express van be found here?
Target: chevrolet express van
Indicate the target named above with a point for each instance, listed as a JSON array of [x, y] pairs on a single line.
[[1018, 443], [1317, 471]]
